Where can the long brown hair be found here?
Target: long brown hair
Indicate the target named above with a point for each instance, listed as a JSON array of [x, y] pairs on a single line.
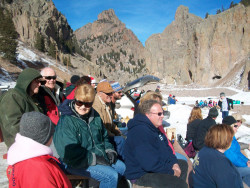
[[195, 114]]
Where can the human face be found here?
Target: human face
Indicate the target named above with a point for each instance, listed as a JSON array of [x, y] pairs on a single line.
[[83, 107], [50, 76], [106, 97], [34, 87], [156, 115], [117, 95], [236, 127]]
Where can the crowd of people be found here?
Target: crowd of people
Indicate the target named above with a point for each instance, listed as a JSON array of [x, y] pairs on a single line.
[[51, 132]]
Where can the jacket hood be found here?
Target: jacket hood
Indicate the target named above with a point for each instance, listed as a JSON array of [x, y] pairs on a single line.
[[25, 148], [66, 107], [26, 77], [140, 119]]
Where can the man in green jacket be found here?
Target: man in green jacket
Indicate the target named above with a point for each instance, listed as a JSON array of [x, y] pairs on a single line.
[[17, 101]]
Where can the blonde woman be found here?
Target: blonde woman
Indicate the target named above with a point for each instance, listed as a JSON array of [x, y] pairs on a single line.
[[193, 122]]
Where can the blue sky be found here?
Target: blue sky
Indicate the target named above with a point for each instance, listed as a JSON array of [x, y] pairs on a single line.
[[143, 17]]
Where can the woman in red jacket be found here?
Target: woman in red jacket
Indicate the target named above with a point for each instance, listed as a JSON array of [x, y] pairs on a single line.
[[30, 159]]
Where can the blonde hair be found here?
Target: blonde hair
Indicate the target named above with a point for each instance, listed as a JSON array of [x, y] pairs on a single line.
[[195, 114], [151, 95], [219, 136], [85, 93]]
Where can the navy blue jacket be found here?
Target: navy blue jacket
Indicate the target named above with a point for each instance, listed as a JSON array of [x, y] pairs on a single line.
[[146, 149], [203, 126], [213, 170]]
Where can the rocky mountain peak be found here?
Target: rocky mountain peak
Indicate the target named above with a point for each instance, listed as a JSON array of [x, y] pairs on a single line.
[[109, 15]]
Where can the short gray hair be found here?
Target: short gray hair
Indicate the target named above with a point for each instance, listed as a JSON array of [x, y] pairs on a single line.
[[146, 106]]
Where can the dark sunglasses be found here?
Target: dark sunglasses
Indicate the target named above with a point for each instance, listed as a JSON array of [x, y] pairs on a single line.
[[239, 121], [43, 82], [86, 104], [236, 126], [120, 92], [50, 77], [159, 113], [109, 94]]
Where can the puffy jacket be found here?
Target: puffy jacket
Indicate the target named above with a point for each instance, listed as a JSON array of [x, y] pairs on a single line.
[[234, 154], [146, 149], [203, 127], [50, 101], [78, 139], [106, 115], [31, 165], [15, 102]]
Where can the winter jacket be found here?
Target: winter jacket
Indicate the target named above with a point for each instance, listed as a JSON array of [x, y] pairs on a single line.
[[203, 127], [15, 102], [146, 149], [78, 139], [234, 154], [229, 102], [50, 101], [106, 115], [69, 89], [31, 165], [192, 129], [213, 170]]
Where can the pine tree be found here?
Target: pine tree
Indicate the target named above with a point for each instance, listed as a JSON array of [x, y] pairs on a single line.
[[39, 43], [8, 36]]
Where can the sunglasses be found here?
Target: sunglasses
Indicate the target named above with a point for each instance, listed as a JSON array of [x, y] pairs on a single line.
[[159, 113], [40, 81], [50, 77], [236, 126], [239, 121], [120, 92], [109, 94], [86, 104]]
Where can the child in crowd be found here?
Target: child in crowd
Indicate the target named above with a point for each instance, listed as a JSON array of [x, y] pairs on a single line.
[[30, 159]]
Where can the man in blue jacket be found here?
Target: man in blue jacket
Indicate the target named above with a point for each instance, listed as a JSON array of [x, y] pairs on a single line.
[[152, 162]]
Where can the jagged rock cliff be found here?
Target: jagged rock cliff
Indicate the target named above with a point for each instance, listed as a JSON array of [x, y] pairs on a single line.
[[113, 47], [195, 50]]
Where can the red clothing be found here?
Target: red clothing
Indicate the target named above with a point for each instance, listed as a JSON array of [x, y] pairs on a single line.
[[169, 143], [71, 96], [39, 172]]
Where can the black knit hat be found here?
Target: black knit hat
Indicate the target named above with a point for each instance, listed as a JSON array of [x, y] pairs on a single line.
[[228, 120], [74, 79], [213, 112], [36, 126]]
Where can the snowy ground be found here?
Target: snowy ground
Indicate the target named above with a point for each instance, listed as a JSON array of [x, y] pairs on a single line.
[[179, 115]]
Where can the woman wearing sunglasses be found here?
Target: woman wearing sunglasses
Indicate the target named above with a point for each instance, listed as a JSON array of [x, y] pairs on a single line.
[[234, 154], [82, 143]]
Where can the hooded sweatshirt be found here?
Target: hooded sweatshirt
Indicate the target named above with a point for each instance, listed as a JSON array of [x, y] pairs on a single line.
[[15, 103], [31, 165], [146, 149]]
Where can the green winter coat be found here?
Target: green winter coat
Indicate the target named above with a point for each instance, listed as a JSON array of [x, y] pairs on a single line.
[[78, 142], [14, 103]]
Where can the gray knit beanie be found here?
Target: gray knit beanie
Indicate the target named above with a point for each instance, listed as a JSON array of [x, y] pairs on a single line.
[[36, 126], [222, 94]]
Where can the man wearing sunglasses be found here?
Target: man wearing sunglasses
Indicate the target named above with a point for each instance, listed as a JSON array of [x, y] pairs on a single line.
[[148, 153], [15, 102], [102, 106], [51, 94]]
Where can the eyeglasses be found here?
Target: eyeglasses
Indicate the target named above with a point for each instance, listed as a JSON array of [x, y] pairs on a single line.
[[86, 104], [50, 77], [236, 126], [109, 94], [42, 82], [120, 92], [159, 113]]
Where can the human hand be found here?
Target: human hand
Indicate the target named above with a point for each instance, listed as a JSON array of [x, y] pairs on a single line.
[[101, 160], [112, 156], [177, 170], [248, 163]]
